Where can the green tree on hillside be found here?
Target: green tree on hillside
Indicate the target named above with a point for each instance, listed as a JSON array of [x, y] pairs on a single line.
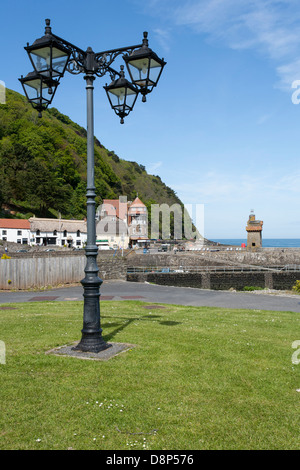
[[43, 165]]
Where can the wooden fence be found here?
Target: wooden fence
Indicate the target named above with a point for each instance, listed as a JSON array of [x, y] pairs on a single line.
[[40, 272]]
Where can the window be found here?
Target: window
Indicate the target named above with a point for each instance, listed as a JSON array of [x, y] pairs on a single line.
[[19, 232], [4, 239], [65, 233], [38, 232], [78, 233], [4, 232], [18, 240], [55, 232]]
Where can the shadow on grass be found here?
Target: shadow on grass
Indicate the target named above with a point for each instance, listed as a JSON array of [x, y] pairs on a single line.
[[120, 326]]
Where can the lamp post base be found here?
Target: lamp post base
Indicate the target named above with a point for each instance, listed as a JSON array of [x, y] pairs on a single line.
[[91, 343], [91, 339]]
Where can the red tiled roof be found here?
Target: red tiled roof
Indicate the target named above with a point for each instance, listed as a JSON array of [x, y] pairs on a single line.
[[137, 203], [253, 228], [115, 207], [15, 223]]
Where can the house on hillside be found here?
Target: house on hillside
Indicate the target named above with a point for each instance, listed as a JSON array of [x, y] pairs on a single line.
[[138, 223], [122, 223], [15, 230], [59, 232], [111, 228]]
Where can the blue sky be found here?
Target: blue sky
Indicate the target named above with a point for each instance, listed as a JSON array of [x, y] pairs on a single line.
[[221, 128]]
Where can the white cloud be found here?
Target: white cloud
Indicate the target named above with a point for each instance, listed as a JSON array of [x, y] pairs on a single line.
[[262, 119], [289, 72], [271, 27], [163, 37], [228, 199], [153, 167], [213, 187], [287, 185]]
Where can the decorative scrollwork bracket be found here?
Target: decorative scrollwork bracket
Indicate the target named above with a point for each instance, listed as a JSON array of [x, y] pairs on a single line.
[[90, 62]]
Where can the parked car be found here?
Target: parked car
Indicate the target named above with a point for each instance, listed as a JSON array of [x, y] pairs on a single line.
[[22, 251], [163, 248]]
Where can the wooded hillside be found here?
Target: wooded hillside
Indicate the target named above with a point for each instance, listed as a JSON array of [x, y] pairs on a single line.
[[43, 166]]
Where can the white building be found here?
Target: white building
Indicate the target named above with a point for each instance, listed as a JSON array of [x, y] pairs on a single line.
[[111, 228], [122, 224], [15, 230], [59, 232], [38, 231]]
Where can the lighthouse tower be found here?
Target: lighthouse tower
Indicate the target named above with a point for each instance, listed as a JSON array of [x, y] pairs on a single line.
[[254, 232]]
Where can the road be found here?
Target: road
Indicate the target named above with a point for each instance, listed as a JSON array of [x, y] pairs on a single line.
[[123, 290]]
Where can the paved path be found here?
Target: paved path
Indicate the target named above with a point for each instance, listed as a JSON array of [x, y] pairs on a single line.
[[122, 290]]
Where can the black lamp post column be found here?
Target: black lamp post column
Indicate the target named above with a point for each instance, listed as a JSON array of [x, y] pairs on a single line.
[[91, 333]]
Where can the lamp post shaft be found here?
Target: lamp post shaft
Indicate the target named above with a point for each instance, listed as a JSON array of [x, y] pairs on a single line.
[[91, 339], [91, 194]]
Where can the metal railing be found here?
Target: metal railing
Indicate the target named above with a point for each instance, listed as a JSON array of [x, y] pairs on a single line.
[[201, 269]]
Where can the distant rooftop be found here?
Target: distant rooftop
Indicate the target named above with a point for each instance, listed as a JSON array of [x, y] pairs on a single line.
[[15, 223]]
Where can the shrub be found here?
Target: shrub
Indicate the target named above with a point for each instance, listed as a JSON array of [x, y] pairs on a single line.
[[251, 288], [5, 256], [296, 287]]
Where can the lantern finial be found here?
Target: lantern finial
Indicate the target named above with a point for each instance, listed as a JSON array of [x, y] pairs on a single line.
[[48, 28]]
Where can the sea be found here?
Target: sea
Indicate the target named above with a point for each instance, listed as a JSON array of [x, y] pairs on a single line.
[[266, 242]]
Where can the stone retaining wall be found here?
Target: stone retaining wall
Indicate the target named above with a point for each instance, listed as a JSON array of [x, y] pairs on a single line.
[[112, 267], [262, 257], [56, 267], [220, 281]]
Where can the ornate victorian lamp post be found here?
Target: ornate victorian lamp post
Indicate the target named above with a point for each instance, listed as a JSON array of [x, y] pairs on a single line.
[[51, 56]]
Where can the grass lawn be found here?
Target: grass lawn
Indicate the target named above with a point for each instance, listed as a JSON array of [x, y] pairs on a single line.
[[198, 378]]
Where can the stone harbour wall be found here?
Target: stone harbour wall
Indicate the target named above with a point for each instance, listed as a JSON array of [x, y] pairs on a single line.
[[31, 270], [261, 257], [220, 281], [111, 267]]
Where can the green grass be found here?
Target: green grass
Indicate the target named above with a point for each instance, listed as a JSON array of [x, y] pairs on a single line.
[[198, 378]]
